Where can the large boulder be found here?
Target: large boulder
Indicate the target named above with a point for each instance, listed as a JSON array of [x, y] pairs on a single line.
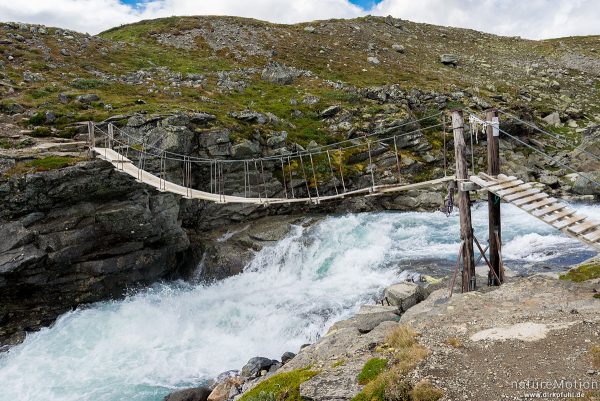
[[371, 316], [256, 365], [449, 59], [87, 98], [227, 389], [587, 183], [215, 142], [404, 295], [245, 150], [279, 74], [190, 394]]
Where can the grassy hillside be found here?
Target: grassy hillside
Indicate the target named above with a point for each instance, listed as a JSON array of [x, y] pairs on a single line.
[[214, 65]]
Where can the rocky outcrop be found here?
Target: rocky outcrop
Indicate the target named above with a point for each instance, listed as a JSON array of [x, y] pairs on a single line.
[[77, 235]]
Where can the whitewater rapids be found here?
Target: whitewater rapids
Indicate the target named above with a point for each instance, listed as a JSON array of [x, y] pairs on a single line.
[[176, 335]]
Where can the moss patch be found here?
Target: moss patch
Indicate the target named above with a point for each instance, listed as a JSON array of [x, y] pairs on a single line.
[[371, 370], [44, 164], [281, 387], [588, 271]]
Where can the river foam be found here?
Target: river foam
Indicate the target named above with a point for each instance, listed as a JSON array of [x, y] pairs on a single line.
[[176, 335]]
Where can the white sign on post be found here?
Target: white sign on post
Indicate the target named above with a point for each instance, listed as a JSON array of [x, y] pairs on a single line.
[[496, 126]]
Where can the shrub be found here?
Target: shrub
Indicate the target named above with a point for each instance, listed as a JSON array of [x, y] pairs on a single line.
[[454, 342], [401, 337], [41, 132], [37, 119], [425, 391], [371, 370]]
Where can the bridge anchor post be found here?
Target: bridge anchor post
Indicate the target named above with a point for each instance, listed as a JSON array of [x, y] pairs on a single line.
[[494, 223], [91, 140], [464, 202]]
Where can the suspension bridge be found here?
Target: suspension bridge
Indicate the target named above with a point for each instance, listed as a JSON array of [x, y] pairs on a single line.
[[326, 173]]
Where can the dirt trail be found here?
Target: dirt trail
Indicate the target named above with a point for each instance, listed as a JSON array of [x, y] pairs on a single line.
[[532, 335]]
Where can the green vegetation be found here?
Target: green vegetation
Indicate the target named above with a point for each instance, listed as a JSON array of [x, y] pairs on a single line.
[[588, 271], [41, 132], [43, 164], [403, 353], [37, 119], [280, 387], [371, 370]]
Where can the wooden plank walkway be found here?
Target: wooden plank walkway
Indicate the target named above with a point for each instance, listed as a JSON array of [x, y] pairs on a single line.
[[542, 206], [125, 165]]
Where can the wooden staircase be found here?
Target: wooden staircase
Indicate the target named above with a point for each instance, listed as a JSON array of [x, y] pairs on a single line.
[[542, 206]]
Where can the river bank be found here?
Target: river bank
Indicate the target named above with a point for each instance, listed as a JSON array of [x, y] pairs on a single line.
[[489, 344], [178, 335]]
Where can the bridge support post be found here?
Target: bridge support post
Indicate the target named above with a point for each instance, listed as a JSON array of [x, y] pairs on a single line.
[[493, 169], [464, 202], [91, 139]]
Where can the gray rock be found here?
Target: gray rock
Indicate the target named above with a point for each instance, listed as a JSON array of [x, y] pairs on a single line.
[[549, 179], [331, 111], [29, 76], [309, 99], [245, 150], [371, 316], [287, 356], [277, 139], [404, 295], [449, 59], [373, 60], [585, 183], [65, 52], [249, 116], [553, 118], [398, 48], [87, 98], [190, 394], [64, 98], [202, 118], [310, 29], [256, 365], [279, 74], [216, 142], [50, 117]]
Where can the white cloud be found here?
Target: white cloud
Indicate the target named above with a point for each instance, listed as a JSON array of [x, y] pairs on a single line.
[[534, 19], [529, 18]]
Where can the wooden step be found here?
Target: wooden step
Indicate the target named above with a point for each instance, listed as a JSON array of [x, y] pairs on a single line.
[[495, 181], [522, 194], [533, 198], [540, 204], [504, 186], [558, 216], [581, 228], [568, 222], [594, 236], [519, 188], [550, 209]]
